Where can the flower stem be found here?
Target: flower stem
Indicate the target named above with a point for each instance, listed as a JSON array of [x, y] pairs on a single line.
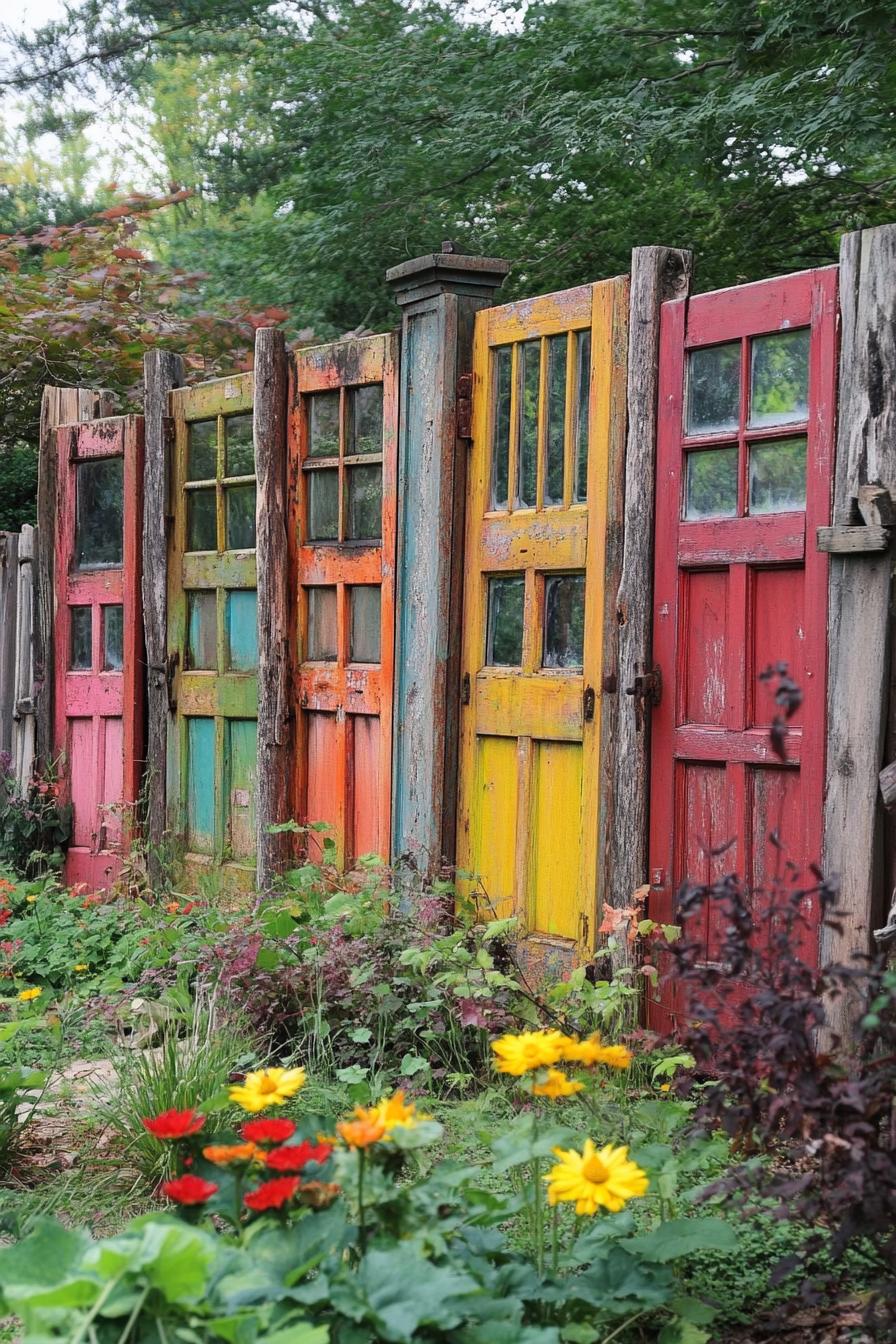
[[555, 1240], [539, 1215], [362, 1226]]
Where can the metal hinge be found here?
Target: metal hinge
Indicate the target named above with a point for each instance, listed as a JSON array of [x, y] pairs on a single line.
[[646, 690], [588, 703], [465, 689], [172, 662], [464, 406], [585, 929]]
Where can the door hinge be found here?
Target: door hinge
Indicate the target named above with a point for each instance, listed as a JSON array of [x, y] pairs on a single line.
[[646, 691], [465, 689], [464, 406], [585, 929], [172, 663], [588, 703]]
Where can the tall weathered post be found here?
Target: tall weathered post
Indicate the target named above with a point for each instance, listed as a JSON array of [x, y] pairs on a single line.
[[439, 296]]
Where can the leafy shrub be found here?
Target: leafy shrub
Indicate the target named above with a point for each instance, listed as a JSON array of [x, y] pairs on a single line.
[[34, 827], [17, 1088]]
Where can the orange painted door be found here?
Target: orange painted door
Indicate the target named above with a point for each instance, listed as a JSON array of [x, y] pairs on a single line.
[[549, 377], [343, 445], [98, 639]]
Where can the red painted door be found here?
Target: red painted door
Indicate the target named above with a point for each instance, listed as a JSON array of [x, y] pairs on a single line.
[[744, 470], [98, 638], [343, 459]]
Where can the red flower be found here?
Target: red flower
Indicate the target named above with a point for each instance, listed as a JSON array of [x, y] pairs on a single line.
[[272, 1194], [189, 1190], [5, 917], [296, 1157], [268, 1131], [174, 1124]]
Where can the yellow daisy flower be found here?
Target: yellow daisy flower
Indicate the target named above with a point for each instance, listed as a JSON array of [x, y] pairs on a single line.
[[26, 995], [527, 1051], [267, 1087], [367, 1128], [615, 1056], [556, 1084], [595, 1178], [81, 966], [395, 1111]]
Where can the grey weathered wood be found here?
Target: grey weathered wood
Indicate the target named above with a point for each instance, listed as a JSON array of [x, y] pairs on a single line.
[[162, 371], [841, 540], [59, 406], [439, 295], [876, 505], [23, 728], [9, 591], [275, 716], [859, 597], [887, 782], [658, 274]]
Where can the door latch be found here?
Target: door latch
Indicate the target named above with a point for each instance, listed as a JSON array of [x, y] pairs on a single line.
[[465, 689], [646, 691], [588, 701], [464, 406]]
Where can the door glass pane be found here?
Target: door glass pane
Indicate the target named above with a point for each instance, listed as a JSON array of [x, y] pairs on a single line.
[[240, 448], [240, 517], [711, 484], [202, 526], [81, 654], [583, 391], [323, 424], [113, 638], [365, 631], [99, 522], [501, 428], [530, 359], [504, 642], [714, 389], [365, 503], [242, 630], [323, 505], [323, 642], [778, 476], [202, 620], [202, 450], [553, 477], [200, 785], [779, 392], [365, 419], [564, 620]]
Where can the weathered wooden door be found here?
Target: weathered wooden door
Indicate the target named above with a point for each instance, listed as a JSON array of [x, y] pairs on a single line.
[[212, 629], [549, 375], [98, 638], [744, 469], [343, 444]]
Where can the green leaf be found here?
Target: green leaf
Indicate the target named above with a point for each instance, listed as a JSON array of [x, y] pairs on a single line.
[[682, 1237], [412, 1065], [360, 1035], [524, 1140], [300, 1333], [683, 1332], [353, 1073]]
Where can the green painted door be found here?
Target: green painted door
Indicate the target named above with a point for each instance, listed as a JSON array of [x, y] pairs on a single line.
[[213, 634]]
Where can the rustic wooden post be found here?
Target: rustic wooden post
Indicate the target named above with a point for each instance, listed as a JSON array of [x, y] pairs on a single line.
[[23, 709], [162, 371], [9, 589], [860, 630], [439, 295], [275, 717], [59, 406], [658, 274]]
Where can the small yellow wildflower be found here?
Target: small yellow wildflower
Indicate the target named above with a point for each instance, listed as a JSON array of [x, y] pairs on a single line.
[[595, 1178], [267, 1087], [30, 899], [527, 1051], [394, 1111], [556, 1084], [26, 995], [81, 966]]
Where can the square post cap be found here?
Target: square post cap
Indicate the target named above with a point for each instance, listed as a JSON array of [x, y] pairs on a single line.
[[446, 272]]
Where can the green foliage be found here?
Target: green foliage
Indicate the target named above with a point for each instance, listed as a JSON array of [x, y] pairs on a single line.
[[18, 485], [34, 827], [17, 1088]]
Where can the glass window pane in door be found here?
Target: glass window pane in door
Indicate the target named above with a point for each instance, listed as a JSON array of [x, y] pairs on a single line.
[[365, 419], [365, 503], [527, 451], [501, 427], [81, 651], [201, 653], [323, 644], [778, 476], [113, 638], [239, 446], [202, 450], [242, 630], [365, 624], [711, 484], [583, 399], [202, 522], [323, 424], [323, 504], [99, 514], [714, 389], [779, 378], [504, 640], [564, 621], [240, 504]]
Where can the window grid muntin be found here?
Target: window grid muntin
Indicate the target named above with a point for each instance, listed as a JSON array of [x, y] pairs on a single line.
[[221, 482], [342, 464]]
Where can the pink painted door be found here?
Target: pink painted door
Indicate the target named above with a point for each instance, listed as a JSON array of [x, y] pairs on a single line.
[[98, 639], [744, 471]]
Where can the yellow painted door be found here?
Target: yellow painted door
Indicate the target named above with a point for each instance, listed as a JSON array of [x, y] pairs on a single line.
[[549, 382]]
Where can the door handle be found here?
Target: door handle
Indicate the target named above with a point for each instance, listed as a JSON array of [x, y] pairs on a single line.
[[588, 702], [646, 691]]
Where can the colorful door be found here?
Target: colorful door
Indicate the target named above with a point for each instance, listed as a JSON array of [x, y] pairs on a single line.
[[744, 471], [549, 378], [212, 630], [98, 639], [343, 444]]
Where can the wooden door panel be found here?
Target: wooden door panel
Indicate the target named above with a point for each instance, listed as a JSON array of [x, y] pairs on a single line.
[[547, 373], [744, 463], [343, 444], [98, 638]]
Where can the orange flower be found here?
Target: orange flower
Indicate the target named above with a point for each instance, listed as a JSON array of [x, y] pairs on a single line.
[[367, 1128], [223, 1153]]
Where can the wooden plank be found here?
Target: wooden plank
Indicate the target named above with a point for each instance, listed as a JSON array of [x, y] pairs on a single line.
[[162, 371], [9, 592], [23, 732], [275, 717], [658, 274], [859, 598], [841, 540]]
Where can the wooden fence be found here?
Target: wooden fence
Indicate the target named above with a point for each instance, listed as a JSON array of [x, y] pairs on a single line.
[[17, 688]]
